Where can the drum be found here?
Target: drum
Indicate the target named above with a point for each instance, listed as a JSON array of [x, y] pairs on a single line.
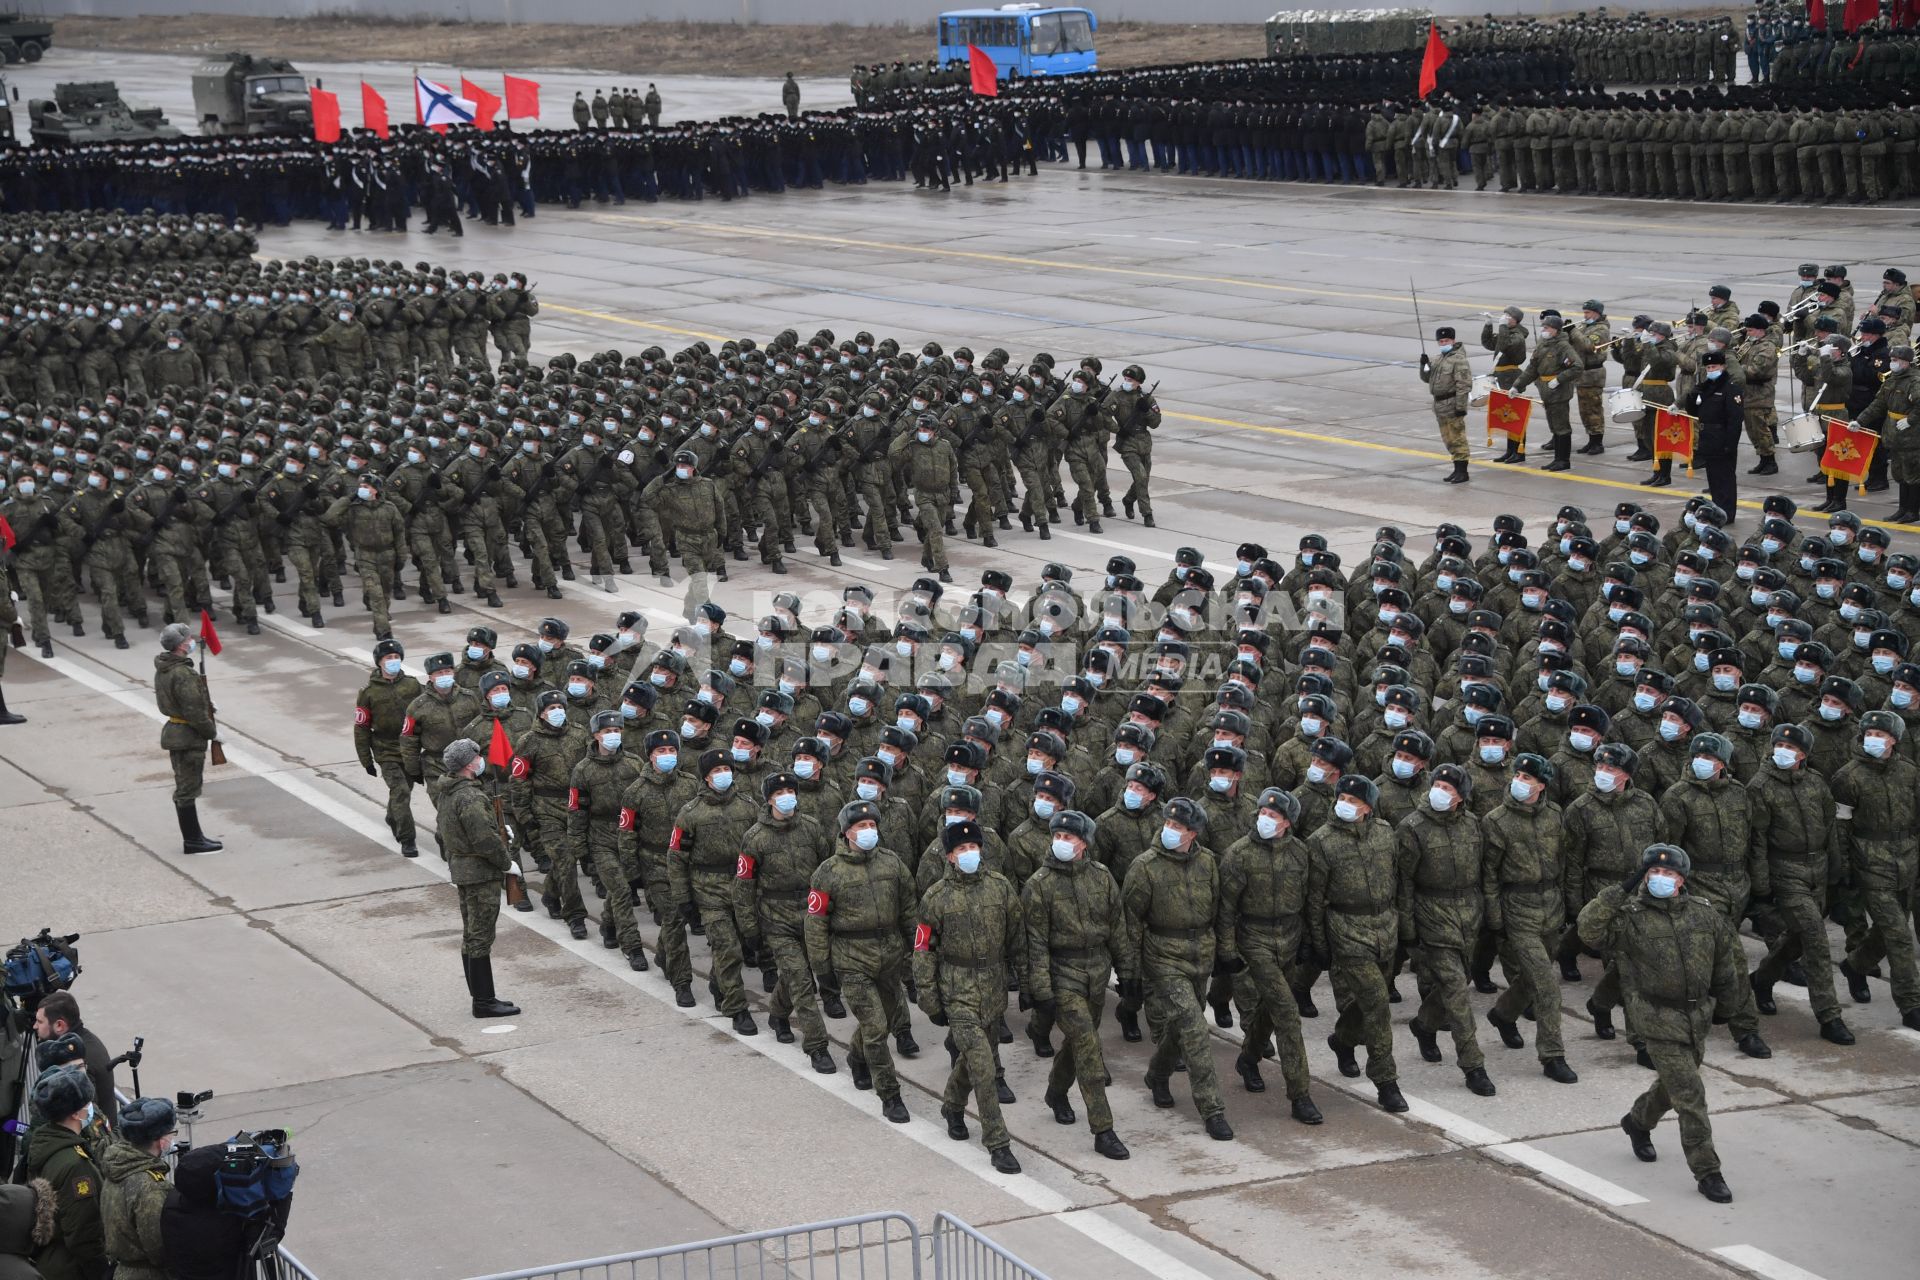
[[1625, 405], [1801, 433], [1482, 391]]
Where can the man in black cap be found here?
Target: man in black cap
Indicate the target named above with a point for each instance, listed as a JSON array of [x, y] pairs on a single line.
[[1718, 406], [1449, 379]]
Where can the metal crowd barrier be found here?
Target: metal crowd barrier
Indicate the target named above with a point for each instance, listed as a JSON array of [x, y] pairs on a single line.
[[872, 1246]]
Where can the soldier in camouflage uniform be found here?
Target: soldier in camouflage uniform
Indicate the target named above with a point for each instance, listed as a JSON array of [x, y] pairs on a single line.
[[966, 944], [778, 856], [433, 722], [1449, 379], [539, 779], [378, 534], [1677, 964], [1794, 823], [1880, 845], [1171, 895], [595, 820], [478, 861], [1353, 930], [1440, 847], [378, 714], [1524, 882], [1263, 880], [861, 913], [707, 834], [647, 814], [1075, 934]]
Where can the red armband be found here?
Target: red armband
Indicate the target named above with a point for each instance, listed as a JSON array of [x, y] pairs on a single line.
[[362, 717], [673, 842], [409, 727], [818, 902], [626, 819], [923, 937], [743, 867], [573, 798], [519, 768]]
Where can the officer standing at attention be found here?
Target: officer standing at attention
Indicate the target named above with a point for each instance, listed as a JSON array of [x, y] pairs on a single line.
[[790, 96], [478, 860], [1718, 403], [1450, 378], [1677, 965], [181, 693]]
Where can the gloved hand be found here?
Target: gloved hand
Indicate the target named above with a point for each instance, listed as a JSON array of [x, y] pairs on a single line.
[[1132, 989], [1317, 955], [372, 772], [1025, 1002], [938, 1019], [1048, 1006], [1426, 364], [1632, 882], [433, 481]]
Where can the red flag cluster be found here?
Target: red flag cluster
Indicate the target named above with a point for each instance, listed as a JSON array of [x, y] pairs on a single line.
[[521, 100]]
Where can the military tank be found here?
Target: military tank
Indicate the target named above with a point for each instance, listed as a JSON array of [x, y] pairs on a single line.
[[92, 111]]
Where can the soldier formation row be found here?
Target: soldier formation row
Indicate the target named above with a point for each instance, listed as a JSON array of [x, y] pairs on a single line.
[[1221, 791]]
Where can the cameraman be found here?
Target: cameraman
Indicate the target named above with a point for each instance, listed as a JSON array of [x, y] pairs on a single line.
[[59, 1015], [135, 1168]]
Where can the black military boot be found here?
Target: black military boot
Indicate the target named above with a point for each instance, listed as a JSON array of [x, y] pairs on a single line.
[[1061, 1108], [1249, 1069], [1162, 1095], [1768, 466], [1479, 1083], [1602, 1020], [956, 1124], [480, 986], [192, 839], [1458, 475], [1856, 984], [1349, 1065], [1640, 1139], [1108, 1144], [1714, 1187], [1562, 455], [1594, 445], [1428, 1041], [6, 716], [1509, 1030]]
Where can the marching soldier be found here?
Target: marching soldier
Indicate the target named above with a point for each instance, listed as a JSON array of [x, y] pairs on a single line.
[[379, 712], [478, 860]]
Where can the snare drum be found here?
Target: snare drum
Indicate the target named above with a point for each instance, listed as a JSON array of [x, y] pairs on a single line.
[[1625, 405], [1801, 433], [1482, 390]]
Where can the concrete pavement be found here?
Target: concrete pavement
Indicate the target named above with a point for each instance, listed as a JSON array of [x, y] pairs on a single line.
[[309, 974]]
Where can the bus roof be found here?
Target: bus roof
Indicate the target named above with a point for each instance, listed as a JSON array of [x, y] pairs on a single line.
[[1014, 11]]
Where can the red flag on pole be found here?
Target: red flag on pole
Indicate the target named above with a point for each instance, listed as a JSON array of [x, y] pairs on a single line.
[[1430, 65], [986, 76], [326, 116], [373, 109], [484, 104], [208, 636], [1508, 413], [1849, 453], [523, 98], [6, 534], [1859, 13], [499, 750], [1817, 14], [1673, 437]]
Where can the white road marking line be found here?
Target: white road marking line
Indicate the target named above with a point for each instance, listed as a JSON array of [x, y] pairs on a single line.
[[1458, 1127], [1172, 240], [1587, 1184], [970, 1156], [1762, 1263], [1131, 1244]]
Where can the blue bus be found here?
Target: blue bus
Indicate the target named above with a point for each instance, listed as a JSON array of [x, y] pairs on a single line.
[[1022, 39]]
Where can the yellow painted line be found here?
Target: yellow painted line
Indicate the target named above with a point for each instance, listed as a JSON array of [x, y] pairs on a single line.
[[1291, 433], [610, 318], [1022, 260]]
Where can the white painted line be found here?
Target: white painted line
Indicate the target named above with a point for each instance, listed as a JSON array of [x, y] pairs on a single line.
[[1587, 1184], [1762, 1263], [970, 1156], [1172, 240], [1458, 1127], [1131, 1244]]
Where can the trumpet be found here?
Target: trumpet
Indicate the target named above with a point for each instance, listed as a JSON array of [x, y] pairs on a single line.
[[1805, 306], [1794, 348]]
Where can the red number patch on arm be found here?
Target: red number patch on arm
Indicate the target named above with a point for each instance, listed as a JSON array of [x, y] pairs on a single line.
[[818, 903]]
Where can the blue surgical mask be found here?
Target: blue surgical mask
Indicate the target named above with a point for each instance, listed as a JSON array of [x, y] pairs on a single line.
[[1669, 731], [390, 666], [1603, 781], [1724, 683], [1901, 697], [1883, 663], [1750, 719], [1266, 825], [866, 838], [1519, 790], [475, 653], [1662, 886], [578, 688], [1806, 675], [1043, 807], [667, 762], [1034, 767], [1403, 769], [555, 716], [785, 802], [968, 860], [956, 777], [1830, 712], [499, 699], [1062, 850], [1644, 701], [1169, 838], [1702, 767], [721, 780], [740, 754], [1784, 757], [611, 741], [867, 789], [1439, 799], [1492, 753], [1133, 800], [805, 769], [1220, 784], [1876, 746], [442, 682], [1346, 810]]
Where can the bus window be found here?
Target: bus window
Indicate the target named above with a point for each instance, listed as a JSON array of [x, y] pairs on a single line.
[[1046, 34], [1076, 33]]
